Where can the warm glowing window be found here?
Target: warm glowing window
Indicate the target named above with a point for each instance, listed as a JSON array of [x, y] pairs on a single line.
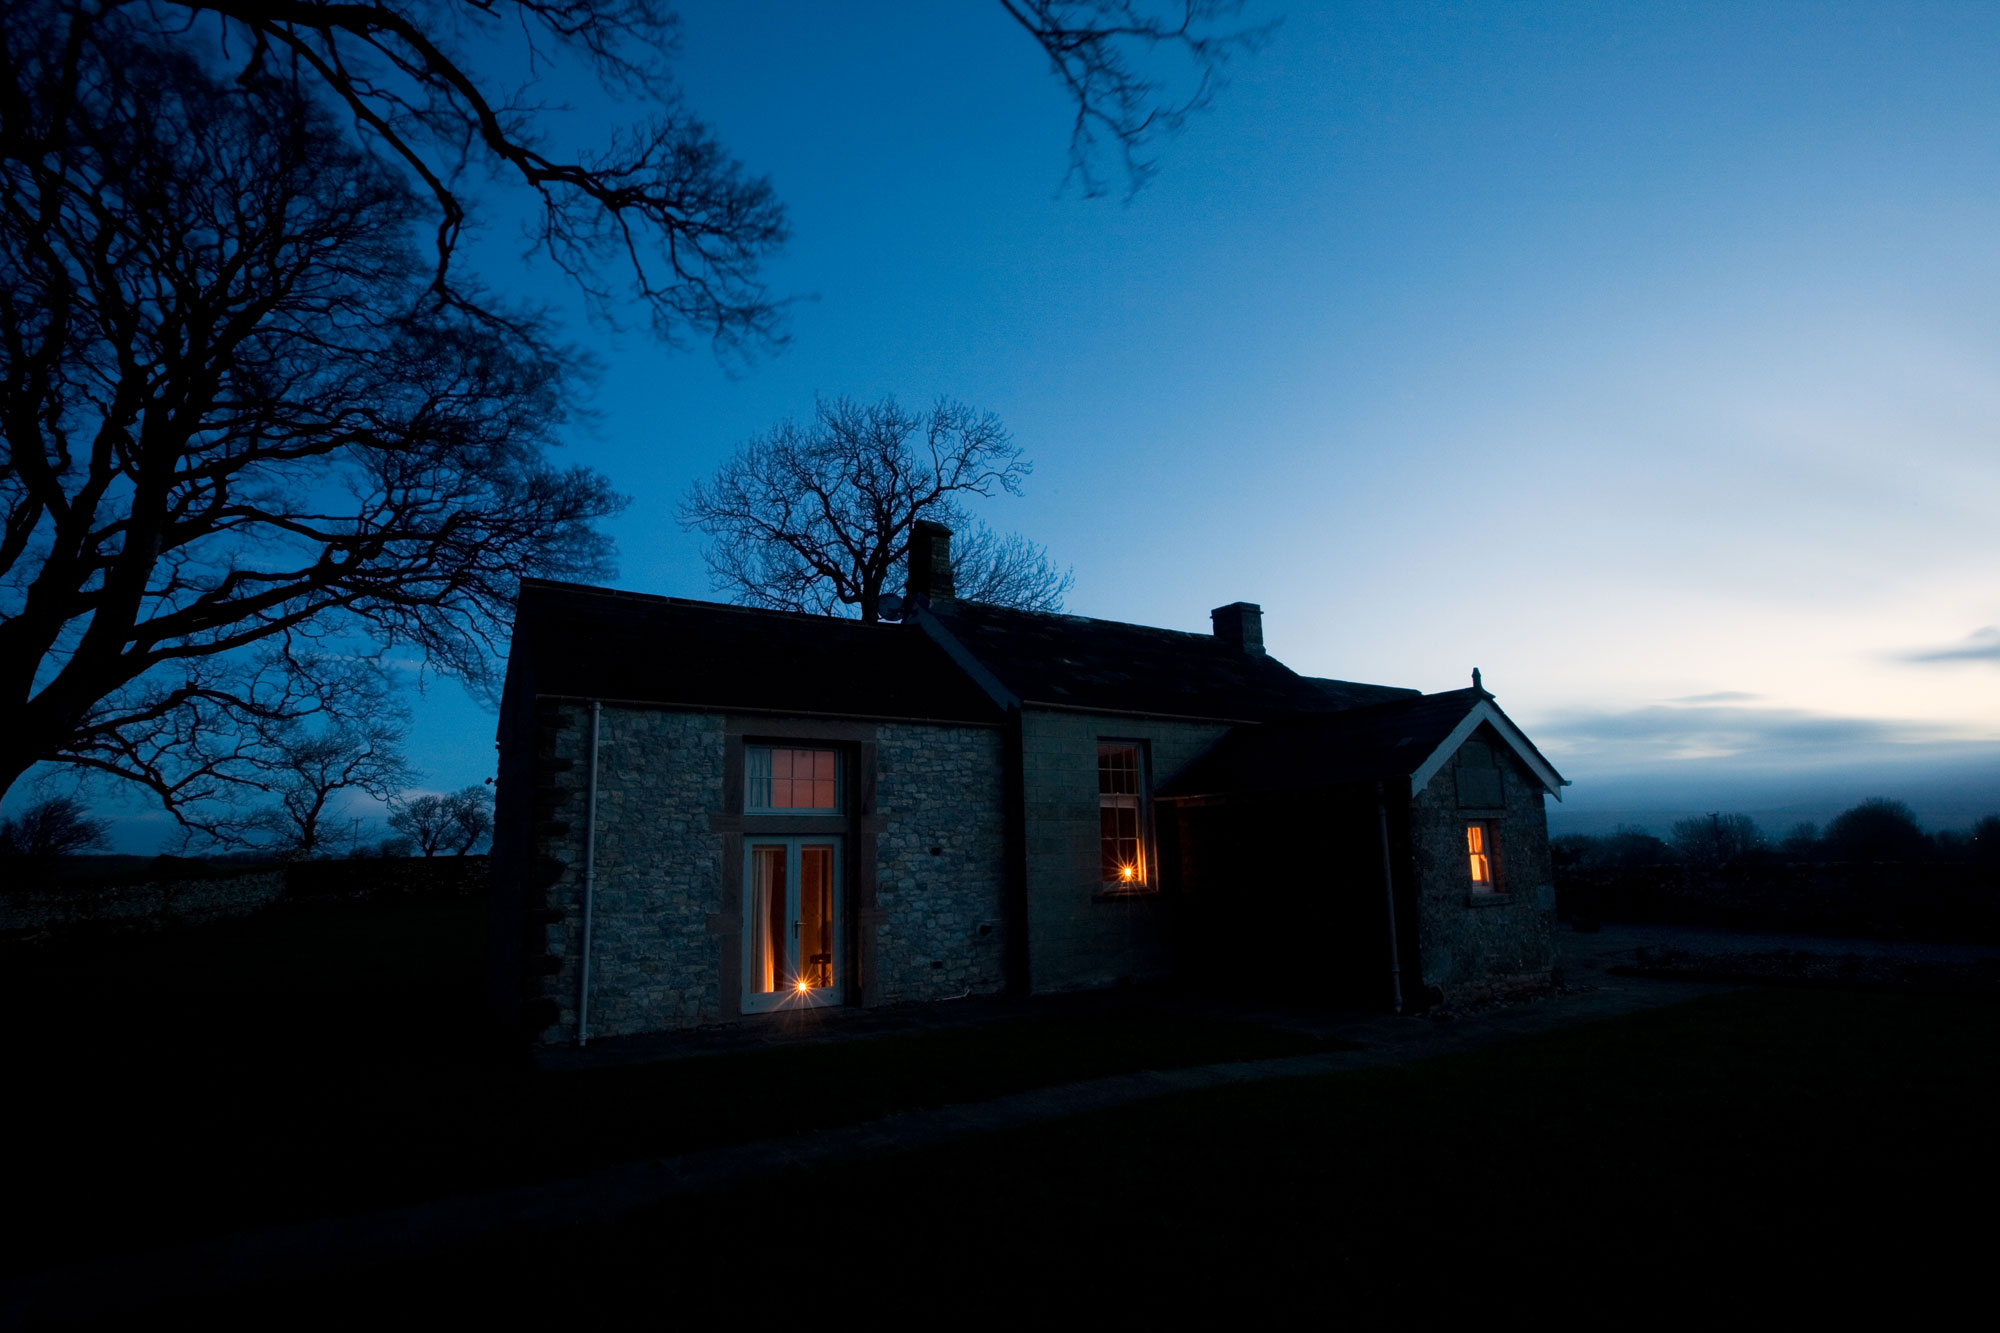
[[780, 778], [1118, 813], [1479, 851]]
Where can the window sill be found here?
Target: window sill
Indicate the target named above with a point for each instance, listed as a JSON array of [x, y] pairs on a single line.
[[1499, 898], [1119, 895]]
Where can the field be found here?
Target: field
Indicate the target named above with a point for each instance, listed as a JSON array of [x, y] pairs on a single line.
[[329, 1059], [1774, 1153]]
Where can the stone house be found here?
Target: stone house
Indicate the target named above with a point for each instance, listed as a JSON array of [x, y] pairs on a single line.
[[706, 812]]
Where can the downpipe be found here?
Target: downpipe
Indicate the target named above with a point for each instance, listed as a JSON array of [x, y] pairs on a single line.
[[589, 878], [1389, 898]]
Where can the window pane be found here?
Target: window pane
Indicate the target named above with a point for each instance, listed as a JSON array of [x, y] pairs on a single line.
[[1478, 851], [1117, 769], [1118, 835], [1118, 813], [816, 924], [767, 918], [783, 778]]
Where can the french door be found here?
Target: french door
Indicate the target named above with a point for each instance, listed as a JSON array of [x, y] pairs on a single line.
[[791, 923]]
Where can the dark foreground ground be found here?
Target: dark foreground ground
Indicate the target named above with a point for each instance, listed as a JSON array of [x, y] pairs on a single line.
[[335, 1059], [1773, 1153]]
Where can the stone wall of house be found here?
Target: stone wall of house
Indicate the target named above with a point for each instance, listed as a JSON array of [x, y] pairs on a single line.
[[1476, 945], [940, 863], [1079, 935], [653, 960], [658, 925]]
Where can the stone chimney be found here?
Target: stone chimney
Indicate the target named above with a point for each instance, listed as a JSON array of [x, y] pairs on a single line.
[[930, 565], [1241, 626]]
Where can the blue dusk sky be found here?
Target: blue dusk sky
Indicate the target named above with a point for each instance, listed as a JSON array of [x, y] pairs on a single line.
[[1645, 356]]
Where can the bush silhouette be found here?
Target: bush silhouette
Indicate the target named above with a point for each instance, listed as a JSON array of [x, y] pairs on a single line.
[[1878, 829]]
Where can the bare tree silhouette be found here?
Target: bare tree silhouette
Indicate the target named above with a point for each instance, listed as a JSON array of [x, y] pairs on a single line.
[[239, 427], [435, 823], [818, 518], [248, 416], [46, 832], [306, 769], [1100, 49]]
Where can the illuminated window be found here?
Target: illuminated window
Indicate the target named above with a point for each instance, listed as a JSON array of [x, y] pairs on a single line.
[[1119, 793], [1479, 852], [780, 778]]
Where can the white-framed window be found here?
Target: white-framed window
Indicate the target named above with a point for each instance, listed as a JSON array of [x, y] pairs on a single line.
[[790, 779], [1121, 814], [1482, 856]]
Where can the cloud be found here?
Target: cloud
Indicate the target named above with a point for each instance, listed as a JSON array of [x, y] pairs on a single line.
[[1720, 697], [1677, 733], [1982, 645]]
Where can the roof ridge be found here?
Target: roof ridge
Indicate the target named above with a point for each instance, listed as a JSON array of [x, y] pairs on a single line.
[[1097, 620], [663, 599]]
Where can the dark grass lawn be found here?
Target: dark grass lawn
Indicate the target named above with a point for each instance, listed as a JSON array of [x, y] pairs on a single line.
[[331, 1059], [1770, 1155]]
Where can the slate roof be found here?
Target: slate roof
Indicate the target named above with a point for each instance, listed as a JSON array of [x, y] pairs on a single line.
[[1383, 740], [1110, 666], [597, 643]]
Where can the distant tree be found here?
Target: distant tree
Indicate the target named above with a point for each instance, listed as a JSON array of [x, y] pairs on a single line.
[[1878, 829], [1801, 840], [429, 822], [1571, 851], [46, 832], [1985, 848], [818, 518], [306, 769], [1714, 840], [471, 817], [1633, 846]]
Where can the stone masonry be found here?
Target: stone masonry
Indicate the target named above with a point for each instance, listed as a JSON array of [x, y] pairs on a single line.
[[656, 961], [658, 871], [940, 863], [1079, 936]]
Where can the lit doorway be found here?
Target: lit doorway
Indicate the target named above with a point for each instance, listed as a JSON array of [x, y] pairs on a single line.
[[791, 923]]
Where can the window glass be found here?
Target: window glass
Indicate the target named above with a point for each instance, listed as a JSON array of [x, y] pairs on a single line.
[[1479, 852], [1118, 813], [783, 778]]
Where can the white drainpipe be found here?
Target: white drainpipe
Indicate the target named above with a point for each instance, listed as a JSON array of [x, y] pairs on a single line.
[[589, 879], [1389, 894]]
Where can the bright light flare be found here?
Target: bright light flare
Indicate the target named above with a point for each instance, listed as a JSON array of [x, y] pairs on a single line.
[[802, 985], [1128, 873]]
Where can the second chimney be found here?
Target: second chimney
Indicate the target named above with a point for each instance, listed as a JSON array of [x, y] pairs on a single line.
[[1241, 626], [930, 564]]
